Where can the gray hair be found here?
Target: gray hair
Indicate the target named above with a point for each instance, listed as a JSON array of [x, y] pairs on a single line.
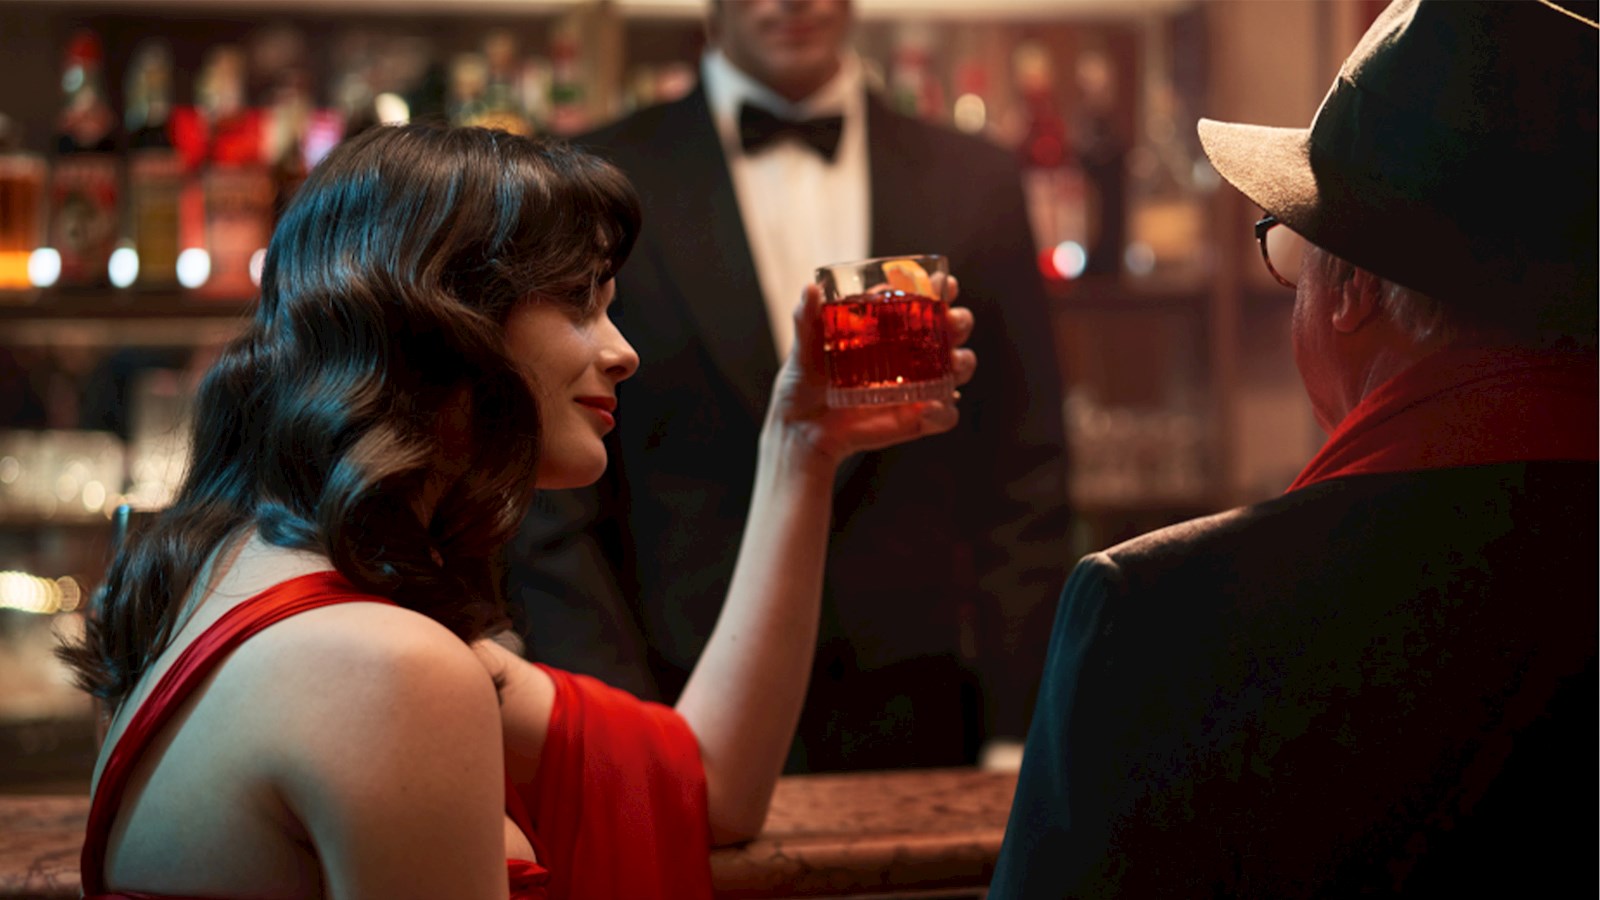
[[1418, 315]]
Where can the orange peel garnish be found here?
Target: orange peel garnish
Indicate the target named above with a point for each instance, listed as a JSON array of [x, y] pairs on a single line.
[[906, 275]]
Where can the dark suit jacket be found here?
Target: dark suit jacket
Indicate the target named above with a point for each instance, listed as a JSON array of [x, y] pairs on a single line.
[[942, 551], [1378, 684]]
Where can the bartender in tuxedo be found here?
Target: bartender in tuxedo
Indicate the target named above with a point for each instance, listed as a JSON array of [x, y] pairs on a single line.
[[945, 553]]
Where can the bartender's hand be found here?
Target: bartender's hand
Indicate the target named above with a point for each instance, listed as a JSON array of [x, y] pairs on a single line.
[[800, 410]]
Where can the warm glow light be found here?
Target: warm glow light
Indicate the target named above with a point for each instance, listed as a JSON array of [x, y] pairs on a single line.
[[969, 113], [392, 109], [258, 261], [323, 131], [1069, 259], [123, 269], [194, 267], [66, 487], [21, 591], [71, 593], [1139, 258], [44, 267]]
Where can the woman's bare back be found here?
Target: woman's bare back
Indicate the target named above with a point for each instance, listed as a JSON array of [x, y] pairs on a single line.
[[326, 722]]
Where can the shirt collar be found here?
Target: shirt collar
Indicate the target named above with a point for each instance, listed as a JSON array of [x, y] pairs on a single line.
[[727, 87]]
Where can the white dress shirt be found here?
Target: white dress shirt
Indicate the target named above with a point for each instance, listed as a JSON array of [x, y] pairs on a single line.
[[799, 210]]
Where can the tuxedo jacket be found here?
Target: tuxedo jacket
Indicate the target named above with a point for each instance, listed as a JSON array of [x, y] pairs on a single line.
[[945, 554], [1379, 684]]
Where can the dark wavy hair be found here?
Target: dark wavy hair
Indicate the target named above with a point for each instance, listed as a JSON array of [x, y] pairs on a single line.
[[383, 299]]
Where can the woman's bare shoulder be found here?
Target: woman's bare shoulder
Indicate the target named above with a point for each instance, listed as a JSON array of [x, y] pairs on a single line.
[[380, 642], [359, 674], [369, 718]]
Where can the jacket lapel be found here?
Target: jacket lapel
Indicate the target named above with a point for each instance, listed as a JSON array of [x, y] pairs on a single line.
[[706, 255], [896, 228]]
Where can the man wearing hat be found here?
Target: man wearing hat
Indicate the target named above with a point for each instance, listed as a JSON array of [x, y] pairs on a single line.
[[1384, 680]]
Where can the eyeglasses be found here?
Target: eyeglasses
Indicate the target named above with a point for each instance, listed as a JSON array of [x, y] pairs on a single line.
[[1285, 246]]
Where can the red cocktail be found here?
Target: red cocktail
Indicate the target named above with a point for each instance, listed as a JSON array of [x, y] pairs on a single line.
[[885, 334]]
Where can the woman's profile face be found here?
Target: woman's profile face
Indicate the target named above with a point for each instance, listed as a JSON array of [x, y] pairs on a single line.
[[575, 361]]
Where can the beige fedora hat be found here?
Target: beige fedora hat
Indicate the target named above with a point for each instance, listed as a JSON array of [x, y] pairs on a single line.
[[1456, 154]]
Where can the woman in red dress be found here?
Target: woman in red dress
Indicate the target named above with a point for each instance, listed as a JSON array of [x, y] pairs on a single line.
[[306, 697]]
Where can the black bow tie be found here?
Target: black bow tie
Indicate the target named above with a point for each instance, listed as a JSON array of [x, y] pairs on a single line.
[[758, 128]]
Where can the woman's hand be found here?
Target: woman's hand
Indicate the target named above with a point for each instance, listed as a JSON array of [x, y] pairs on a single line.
[[800, 411]]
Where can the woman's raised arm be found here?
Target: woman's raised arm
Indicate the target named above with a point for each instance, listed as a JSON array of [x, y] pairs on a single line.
[[744, 696]]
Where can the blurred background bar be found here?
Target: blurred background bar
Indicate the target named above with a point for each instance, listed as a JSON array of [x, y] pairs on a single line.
[[146, 148]]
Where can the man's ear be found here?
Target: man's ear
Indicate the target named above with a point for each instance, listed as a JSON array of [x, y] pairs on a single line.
[[1358, 301]]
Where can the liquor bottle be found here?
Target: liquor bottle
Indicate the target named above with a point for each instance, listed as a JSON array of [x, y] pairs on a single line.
[[913, 87], [501, 106], [280, 63], [1103, 154], [469, 79], [569, 114], [155, 171], [970, 111], [352, 91], [237, 183], [1053, 181], [534, 79], [22, 208], [288, 124], [84, 180]]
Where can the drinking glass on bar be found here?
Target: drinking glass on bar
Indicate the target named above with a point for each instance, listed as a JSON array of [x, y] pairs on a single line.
[[884, 329]]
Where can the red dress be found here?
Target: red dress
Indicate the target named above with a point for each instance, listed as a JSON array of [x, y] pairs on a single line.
[[617, 809]]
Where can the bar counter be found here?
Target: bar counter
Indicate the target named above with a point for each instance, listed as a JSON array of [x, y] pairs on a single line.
[[916, 833]]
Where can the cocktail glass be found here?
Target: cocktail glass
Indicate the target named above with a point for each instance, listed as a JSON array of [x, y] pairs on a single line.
[[885, 334]]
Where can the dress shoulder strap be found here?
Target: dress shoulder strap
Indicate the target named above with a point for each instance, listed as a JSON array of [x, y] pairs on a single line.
[[199, 659]]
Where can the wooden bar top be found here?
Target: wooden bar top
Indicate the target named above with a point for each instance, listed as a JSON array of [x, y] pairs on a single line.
[[872, 833], [40, 839], [854, 834]]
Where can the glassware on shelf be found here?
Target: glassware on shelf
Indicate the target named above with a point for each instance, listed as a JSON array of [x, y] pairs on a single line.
[[19, 472], [1169, 178], [60, 475], [1135, 457], [158, 439]]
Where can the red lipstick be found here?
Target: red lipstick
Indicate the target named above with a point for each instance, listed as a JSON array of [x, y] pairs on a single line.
[[604, 407]]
